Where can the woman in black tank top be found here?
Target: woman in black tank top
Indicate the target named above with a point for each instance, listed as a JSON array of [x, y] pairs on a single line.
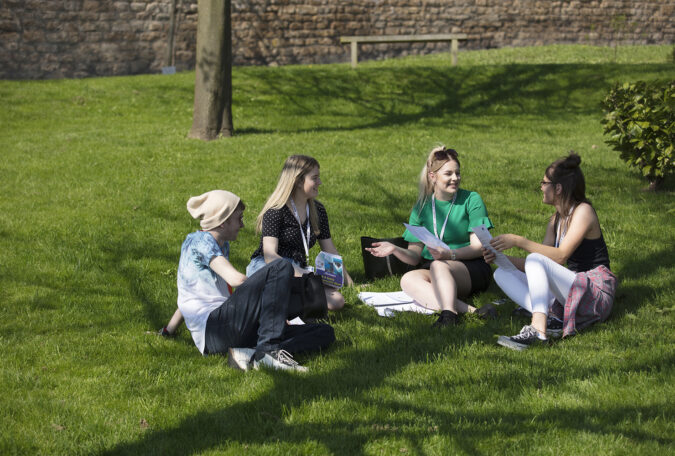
[[573, 238]]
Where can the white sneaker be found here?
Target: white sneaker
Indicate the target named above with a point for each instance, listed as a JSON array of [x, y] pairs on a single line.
[[240, 358], [279, 359]]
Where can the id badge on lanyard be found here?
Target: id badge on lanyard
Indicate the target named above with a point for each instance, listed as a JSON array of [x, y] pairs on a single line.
[[433, 210], [305, 240]]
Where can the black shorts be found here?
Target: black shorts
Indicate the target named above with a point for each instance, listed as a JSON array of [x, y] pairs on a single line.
[[479, 271]]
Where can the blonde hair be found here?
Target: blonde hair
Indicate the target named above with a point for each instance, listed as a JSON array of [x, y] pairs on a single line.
[[438, 157], [296, 167]]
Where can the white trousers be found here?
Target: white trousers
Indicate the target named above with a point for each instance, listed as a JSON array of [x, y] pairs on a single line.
[[543, 282]]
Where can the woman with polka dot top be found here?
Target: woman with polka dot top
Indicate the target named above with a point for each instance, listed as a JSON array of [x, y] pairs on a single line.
[[292, 221]]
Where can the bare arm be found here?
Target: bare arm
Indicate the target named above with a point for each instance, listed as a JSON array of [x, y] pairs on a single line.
[[270, 253], [583, 221], [412, 255], [471, 251], [224, 269], [327, 245], [175, 322]]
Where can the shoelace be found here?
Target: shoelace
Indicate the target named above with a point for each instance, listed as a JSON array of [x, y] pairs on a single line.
[[525, 333], [284, 357]]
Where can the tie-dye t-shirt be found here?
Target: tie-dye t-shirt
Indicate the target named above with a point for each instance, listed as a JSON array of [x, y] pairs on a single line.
[[200, 290]]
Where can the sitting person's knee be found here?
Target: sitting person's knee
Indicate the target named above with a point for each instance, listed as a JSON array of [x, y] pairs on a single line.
[[535, 258], [407, 279], [335, 300], [436, 264], [282, 266]]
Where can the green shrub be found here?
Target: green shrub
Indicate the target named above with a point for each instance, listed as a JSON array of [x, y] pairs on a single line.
[[640, 122]]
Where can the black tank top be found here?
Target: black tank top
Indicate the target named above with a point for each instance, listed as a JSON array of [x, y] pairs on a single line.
[[590, 254]]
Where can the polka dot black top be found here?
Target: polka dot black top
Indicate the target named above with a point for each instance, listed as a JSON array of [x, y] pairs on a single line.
[[281, 224]]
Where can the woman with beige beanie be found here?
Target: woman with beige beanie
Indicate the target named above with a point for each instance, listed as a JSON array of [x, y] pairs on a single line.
[[250, 322]]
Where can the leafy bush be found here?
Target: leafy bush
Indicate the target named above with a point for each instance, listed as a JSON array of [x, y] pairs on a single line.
[[640, 122]]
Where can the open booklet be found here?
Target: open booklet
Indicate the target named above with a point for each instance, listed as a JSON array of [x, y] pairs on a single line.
[[329, 268], [484, 236]]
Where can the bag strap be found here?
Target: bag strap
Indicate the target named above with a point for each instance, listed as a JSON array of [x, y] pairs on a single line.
[[389, 265]]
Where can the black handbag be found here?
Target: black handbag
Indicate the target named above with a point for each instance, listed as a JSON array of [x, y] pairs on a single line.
[[308, 298], [376, 267]]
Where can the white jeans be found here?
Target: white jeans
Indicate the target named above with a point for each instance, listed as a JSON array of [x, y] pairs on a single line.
[[543, 282]]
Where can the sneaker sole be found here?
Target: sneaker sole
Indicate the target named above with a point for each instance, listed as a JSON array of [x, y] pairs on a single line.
[[506, 341], [239, 359], [259, 366]]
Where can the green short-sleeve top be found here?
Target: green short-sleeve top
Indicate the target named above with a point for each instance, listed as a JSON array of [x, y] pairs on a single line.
[[467, 212]]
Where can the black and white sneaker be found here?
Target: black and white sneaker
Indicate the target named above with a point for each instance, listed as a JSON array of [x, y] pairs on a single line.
[[278, 359], [527, 337], [554, 328], [240, 358]]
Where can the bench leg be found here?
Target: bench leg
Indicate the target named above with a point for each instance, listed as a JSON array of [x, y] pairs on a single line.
[[453, 51], [355, 56]]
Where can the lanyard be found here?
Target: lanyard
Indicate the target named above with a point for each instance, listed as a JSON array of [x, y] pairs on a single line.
[[305, 240], [561, 235], [433, 210]]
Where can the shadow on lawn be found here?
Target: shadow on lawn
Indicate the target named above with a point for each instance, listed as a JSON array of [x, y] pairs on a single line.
[[398, 96], [267, 419]]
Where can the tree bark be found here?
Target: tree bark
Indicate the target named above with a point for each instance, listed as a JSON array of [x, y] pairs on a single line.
[[212, 115]]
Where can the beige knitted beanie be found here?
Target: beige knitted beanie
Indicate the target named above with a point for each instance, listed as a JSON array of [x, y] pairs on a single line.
[[212, 208]]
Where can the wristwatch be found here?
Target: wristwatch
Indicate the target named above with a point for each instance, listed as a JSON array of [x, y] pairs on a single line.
[[453, 255]]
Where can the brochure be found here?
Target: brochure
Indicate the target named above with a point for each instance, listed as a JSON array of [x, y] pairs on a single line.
[[329, 268]]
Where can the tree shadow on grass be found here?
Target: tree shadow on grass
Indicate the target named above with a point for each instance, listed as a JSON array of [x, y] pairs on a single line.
[[269, 418], [404, 95]]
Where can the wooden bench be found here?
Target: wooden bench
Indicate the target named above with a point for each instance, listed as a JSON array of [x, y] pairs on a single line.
[[355, 40]]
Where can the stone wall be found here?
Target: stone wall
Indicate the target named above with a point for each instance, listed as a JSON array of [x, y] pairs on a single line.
[[78, 38]]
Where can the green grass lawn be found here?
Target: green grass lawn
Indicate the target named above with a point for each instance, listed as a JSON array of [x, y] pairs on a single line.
[[94, 178]]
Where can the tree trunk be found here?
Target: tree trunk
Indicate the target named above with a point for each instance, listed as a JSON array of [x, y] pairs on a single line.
[[654, 184], [212, 115]]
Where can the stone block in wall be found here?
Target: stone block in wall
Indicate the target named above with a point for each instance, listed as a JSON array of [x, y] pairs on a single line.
[[93, 6], [121, 6]]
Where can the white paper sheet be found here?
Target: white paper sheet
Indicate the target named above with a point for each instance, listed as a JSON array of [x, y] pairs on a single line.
[[425, 236], [484, 236], [387, 304]]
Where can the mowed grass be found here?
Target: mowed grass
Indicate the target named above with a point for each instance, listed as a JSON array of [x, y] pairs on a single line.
[[94, 178]]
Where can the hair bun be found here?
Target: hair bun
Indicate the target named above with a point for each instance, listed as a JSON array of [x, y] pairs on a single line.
[[573, 160]]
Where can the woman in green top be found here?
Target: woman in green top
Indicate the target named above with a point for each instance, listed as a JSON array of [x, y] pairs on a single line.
[[449, 213]]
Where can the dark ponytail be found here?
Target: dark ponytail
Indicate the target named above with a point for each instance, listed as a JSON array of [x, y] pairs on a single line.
[[567, 173]]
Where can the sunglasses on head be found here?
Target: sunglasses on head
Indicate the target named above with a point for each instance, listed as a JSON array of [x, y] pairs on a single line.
[[445, 154]]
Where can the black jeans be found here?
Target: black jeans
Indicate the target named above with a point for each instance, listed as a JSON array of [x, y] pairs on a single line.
[[255, 316]]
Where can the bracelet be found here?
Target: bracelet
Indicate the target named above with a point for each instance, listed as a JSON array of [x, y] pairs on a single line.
[[453, 255]]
